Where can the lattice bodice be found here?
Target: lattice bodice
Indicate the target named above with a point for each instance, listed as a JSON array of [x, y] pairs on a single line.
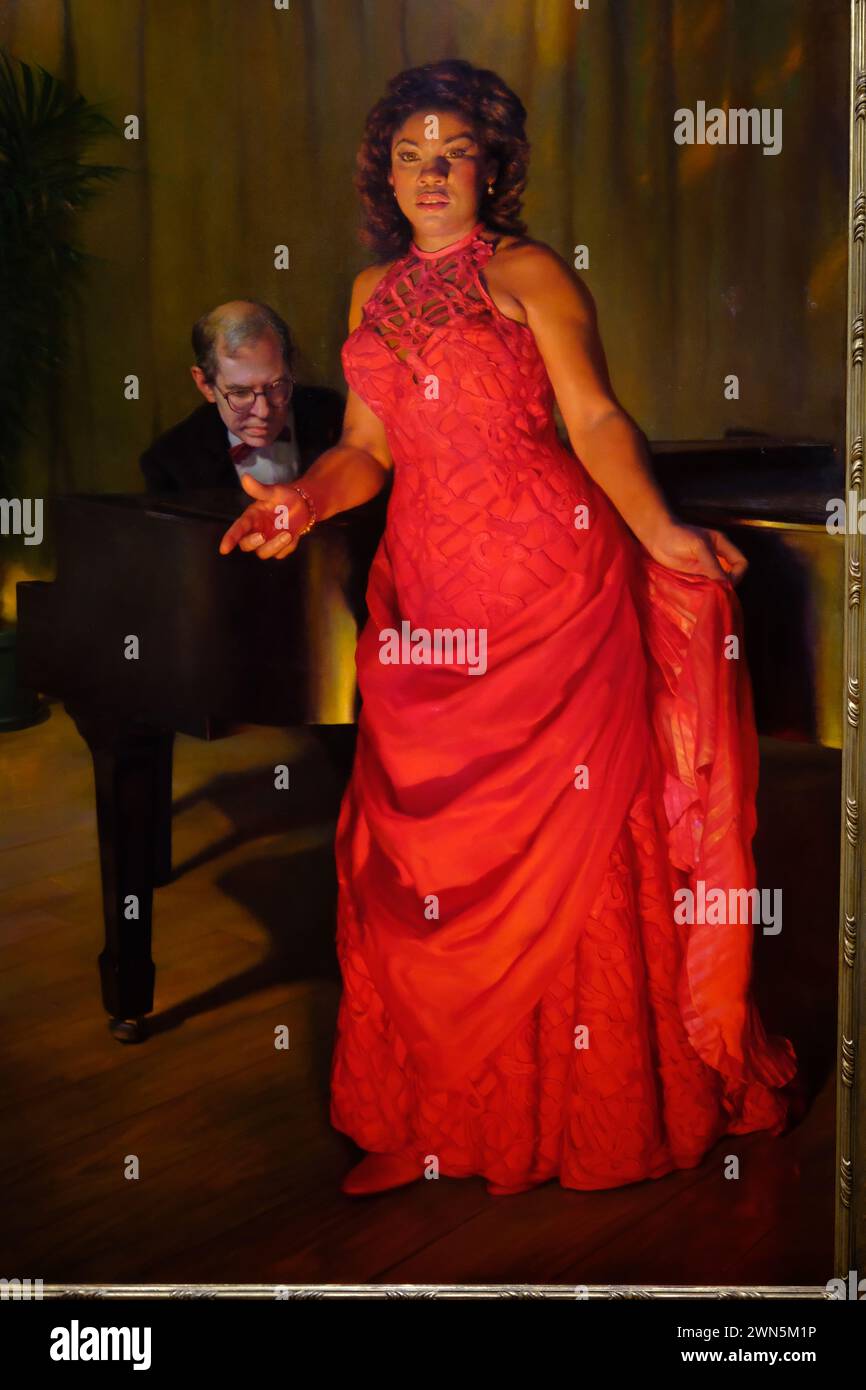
[[430, 297], [482, 510], [424, 292]]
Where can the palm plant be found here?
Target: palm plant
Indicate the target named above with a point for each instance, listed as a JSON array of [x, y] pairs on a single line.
[[45, 130]]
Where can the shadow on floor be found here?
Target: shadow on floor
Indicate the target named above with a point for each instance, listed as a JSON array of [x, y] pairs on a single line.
[[293, 895]]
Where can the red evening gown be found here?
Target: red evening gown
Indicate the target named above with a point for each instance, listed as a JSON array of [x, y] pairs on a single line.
[[519, 999]]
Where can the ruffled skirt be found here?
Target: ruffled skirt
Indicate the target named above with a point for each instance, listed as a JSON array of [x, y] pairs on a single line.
[[558, 1018]]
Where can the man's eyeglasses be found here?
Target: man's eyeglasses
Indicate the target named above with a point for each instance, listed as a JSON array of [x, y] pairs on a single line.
[[242, 399]]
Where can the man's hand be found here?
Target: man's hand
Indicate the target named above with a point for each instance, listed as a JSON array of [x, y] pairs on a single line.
[[270, 525]]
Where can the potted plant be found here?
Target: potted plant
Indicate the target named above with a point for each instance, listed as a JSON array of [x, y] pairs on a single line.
[[45, 131]]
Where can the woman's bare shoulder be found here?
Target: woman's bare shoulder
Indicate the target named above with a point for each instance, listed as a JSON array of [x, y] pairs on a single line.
[[366, 280], [363, 287], [523, 254], [524, 267]]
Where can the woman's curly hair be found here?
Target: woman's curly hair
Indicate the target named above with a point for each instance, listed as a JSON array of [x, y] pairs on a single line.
[[495, 114]]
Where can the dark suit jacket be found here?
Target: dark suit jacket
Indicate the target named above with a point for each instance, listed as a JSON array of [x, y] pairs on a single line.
[[194, 454]]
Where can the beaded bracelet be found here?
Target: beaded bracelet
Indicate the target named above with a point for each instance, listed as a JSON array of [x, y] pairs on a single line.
[[311, 508]]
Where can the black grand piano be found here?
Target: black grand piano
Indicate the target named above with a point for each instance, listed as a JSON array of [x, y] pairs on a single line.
[[147, 630]]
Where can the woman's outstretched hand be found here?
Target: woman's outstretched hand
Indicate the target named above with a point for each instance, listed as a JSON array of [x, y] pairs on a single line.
[[270, 524], [694, 550]]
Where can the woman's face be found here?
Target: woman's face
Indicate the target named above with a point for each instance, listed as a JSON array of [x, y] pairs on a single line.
[[438, 173]]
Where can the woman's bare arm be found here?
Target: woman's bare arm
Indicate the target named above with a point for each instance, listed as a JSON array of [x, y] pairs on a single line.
[[355, 469], [349, 473], [561, 313]]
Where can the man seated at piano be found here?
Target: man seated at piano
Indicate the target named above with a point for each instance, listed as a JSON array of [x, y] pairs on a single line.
[[254, 418]]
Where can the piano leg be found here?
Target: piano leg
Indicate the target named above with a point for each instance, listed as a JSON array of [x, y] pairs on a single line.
[[338, 743], [130, 764], [163, 797]]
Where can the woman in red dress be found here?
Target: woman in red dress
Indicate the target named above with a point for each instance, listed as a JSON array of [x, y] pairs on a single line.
[[556, 749]]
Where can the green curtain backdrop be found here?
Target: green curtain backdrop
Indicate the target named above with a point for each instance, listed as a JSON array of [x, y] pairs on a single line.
[[704, 260]]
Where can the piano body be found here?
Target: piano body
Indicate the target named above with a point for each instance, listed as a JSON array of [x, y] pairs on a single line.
[[222, 640], [228, 640], [770, 497]]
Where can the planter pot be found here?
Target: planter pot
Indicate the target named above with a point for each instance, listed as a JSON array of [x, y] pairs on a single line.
[[18, 708]]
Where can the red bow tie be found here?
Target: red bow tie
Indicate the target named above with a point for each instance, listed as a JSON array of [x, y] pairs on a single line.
[[240, 451]]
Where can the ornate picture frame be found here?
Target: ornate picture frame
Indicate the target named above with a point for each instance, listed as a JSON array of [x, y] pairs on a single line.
[[850, 1093], [850, 1168]]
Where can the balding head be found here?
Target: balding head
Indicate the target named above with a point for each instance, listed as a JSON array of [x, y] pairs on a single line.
[[233, 325], [245, 347]]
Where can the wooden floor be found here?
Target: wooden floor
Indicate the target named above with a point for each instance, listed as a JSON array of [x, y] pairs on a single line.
[[239, 1167]]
